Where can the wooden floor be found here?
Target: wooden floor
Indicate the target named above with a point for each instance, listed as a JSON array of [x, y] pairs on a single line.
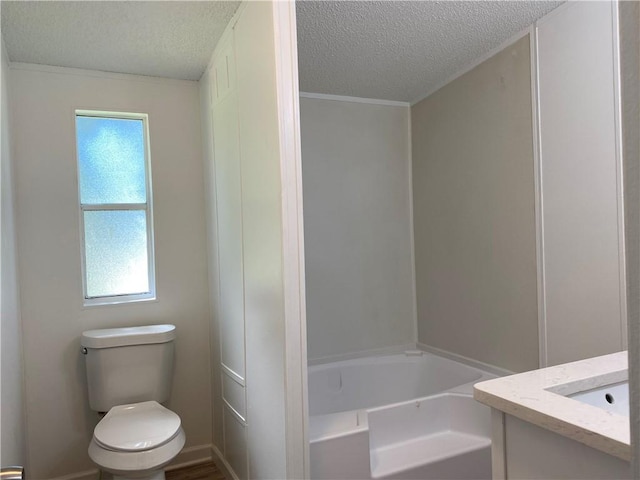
[[204, 471]]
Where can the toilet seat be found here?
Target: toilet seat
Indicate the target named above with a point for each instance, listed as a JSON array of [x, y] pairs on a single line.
[[136, 427], [135, 439], [136, 464]]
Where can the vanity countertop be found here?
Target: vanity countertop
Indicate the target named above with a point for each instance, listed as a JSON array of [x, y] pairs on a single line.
[[539, 397]]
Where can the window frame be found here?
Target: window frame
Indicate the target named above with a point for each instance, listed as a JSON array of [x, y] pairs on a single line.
[[146, 207]]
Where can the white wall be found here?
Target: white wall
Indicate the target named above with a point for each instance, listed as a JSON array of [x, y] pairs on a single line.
[[357, 189], [59, 422], [12, 442], [473, 194]]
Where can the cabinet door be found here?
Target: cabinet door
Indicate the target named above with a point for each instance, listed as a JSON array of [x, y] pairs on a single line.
[[580, 165], [258, 243], [534, 453]]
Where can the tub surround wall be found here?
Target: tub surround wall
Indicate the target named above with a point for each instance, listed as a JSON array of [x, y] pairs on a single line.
[[473, 203], [356, 175], [510, 240], [12, 443], [43, 99]]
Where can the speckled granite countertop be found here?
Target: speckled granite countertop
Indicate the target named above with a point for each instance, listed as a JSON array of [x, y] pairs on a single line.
[[539, 397]]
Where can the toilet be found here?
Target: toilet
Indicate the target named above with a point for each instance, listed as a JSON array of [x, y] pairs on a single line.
[[129, 374]]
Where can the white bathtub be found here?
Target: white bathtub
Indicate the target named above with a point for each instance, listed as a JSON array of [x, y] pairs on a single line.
[[398, 416]]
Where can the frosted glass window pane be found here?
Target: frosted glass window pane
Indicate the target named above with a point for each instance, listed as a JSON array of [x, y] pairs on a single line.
[[110, 160], [116, 252]]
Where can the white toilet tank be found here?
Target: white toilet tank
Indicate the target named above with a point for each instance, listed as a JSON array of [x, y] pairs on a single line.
[[128, 365]]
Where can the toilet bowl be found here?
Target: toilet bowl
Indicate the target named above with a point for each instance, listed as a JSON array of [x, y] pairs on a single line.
[[137, 440]]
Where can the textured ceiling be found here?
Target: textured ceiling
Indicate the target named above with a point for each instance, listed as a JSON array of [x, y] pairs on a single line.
[[400, 50], [387, 50], [172, 39]]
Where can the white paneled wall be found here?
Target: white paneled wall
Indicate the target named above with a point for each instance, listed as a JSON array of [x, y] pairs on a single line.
[[629, 17], [584, 305]]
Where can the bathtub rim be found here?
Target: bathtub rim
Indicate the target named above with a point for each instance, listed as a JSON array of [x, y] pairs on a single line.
[[401, 349], [350, 422]]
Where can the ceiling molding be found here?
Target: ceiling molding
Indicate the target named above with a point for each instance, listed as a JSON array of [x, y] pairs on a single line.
[[35, 67], [343, 98]]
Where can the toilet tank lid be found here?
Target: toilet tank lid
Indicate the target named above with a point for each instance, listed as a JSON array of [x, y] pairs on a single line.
[[121, 337]]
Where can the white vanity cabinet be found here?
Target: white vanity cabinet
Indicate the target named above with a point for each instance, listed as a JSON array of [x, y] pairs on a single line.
[[545, 427], [580, 221], [522, 450]]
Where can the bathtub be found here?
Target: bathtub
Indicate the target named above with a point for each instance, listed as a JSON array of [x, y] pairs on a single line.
[[408, 415]]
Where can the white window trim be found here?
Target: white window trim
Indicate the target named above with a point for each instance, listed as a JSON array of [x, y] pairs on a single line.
[[148, 207]]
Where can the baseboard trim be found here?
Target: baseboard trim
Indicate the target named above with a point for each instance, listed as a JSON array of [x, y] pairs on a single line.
[[372, 352], [487, 367], [222, 463], [93, 474], [191, 456], [186, 458]]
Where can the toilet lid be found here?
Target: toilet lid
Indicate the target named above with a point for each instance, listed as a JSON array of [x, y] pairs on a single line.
[[135, 427]]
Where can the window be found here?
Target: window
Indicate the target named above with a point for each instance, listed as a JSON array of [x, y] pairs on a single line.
[[114, 184]]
